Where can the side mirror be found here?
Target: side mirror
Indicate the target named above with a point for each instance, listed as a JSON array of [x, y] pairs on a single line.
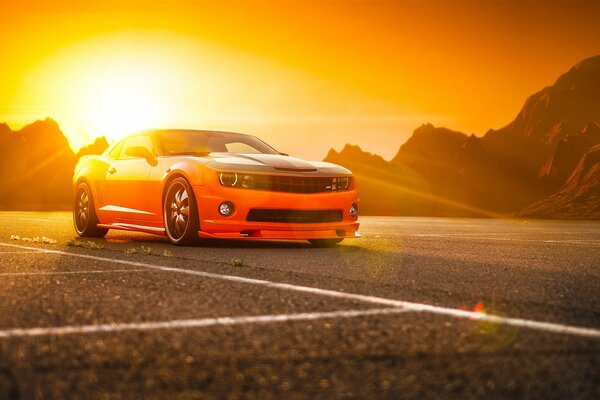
[[141, 152]]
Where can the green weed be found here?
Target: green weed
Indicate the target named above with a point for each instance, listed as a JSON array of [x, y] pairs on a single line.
[[36, 239], [87, 245]]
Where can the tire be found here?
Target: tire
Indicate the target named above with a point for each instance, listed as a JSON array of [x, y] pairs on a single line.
[[325, 242], [84, 213], [180, 213]]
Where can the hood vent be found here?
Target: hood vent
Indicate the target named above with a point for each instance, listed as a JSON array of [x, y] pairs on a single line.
[[296, 169]]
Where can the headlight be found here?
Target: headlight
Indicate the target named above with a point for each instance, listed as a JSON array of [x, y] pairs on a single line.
[[228, 178], [353, 210], [342, 183], [247, 181]]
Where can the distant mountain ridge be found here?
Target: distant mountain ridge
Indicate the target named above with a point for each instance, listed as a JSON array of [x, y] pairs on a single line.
[[579, 197], [36, 166], [384, 190], [509, 169]]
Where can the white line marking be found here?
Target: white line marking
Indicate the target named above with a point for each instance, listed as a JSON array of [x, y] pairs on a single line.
[[459, 235], [22, 252], [408, 306], [194, 323], [72, 272], [485, 236]]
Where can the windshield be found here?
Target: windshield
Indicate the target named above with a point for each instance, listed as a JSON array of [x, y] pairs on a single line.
[[204, 142]]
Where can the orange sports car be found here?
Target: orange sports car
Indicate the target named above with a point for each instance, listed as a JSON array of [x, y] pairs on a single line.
[[191, 184]]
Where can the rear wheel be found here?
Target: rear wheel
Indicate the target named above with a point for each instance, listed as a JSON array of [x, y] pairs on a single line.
[[325, 242], [180, 213], [84, 213]]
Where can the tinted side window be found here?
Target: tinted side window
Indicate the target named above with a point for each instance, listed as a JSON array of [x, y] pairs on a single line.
[[135, 141], [114, 153]]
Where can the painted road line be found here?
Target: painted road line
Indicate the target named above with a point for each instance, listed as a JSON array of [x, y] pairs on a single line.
[[195, 323], [22, 252], [475, 236], [406, 305], [73, 272]]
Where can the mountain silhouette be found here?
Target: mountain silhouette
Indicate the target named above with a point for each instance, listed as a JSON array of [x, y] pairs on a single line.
[[98, 147], [569, 151], [549, 115], [36, 167], [384, 190], [579, 197], [511, 168]]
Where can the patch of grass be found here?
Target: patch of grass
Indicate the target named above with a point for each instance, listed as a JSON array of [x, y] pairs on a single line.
[[146, 250], [236, 262], [36, 239], [87, 245]]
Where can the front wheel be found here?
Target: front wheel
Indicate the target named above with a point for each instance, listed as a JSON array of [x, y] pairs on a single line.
[[180, 213], [84, 213], [325, 242]]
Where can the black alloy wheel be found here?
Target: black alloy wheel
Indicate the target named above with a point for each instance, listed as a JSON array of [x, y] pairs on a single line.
[[84, 213], [180, 212]]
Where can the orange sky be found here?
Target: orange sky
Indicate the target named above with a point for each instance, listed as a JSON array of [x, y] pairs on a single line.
[[304, 76]]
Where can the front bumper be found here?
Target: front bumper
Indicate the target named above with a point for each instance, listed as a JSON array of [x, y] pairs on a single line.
[[235, 226]]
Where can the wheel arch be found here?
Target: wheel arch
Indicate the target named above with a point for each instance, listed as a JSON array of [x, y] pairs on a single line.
[[168, 179], [80, 180], [193, 174]]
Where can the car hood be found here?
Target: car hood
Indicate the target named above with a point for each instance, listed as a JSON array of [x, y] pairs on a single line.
[[271, 163]]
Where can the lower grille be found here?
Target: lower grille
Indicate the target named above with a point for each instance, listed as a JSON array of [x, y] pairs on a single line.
[[294, 216]]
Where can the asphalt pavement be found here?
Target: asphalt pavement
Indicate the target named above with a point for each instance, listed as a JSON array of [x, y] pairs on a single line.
[[416, 308]]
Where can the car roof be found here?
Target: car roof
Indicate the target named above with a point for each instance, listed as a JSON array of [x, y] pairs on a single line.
[[154, 131]]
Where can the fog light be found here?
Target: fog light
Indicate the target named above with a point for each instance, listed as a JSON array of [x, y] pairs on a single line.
[[353, 210], [226, 208]]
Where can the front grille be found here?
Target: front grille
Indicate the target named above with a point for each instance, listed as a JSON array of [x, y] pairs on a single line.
[[294, 216], [294, 184], [289, 184]]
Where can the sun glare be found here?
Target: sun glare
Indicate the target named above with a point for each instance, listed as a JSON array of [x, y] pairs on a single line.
[[115, 110], [114, 85]]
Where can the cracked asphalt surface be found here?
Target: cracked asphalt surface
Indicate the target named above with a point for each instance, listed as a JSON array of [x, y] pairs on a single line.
[[533, 270]]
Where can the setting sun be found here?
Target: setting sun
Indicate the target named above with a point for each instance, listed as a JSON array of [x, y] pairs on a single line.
[[121, 105], [105, 91]]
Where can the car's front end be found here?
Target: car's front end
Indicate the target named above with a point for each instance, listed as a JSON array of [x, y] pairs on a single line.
[[255, 199]]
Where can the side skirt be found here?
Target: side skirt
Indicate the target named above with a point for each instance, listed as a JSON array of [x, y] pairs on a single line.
[[133, 227]]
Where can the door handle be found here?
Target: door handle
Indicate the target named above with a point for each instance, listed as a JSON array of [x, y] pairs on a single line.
[[112, 170]]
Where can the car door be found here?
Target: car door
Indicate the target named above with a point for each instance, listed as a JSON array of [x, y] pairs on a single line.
[[127, 186]]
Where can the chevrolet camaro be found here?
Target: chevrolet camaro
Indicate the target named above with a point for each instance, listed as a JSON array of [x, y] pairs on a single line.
[[191, 184]]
